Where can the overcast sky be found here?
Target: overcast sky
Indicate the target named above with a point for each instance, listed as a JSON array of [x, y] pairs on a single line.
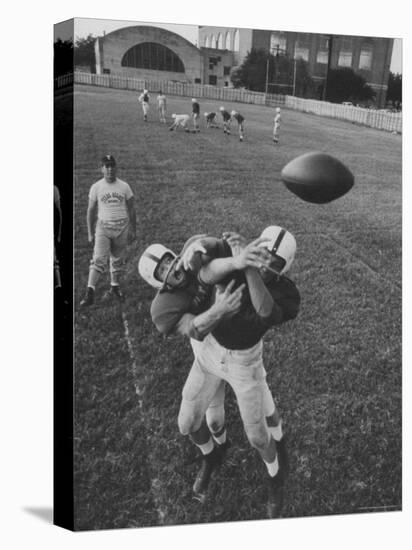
[[97, 27]]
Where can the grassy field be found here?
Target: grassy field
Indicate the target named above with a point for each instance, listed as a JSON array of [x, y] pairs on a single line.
[[335, 370]]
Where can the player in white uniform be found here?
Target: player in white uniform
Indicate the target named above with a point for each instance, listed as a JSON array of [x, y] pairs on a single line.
[[161, 106], [144, 102], [276, 125], [180, 120], [111, 211]]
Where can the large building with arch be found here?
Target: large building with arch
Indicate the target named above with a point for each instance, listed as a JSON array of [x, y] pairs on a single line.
[[149, 53]]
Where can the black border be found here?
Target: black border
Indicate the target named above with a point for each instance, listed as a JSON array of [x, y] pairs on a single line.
[[63, 380]]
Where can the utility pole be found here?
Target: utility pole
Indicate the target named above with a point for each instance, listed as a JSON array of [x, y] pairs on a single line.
[[325, 86], [294, 77], [267, 74]]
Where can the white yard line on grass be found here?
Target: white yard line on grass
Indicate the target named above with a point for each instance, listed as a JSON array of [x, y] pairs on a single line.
[[154, 484], [129, 343]]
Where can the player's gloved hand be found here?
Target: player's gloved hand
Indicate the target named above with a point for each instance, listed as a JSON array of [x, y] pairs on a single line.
[[227, 303], [191, 259]]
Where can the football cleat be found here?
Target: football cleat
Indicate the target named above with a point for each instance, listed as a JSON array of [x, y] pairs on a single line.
[[210, 462], [88, 299]]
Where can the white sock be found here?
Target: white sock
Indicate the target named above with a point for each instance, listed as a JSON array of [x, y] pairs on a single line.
[[273, 467], [276, 431], [206, 448]]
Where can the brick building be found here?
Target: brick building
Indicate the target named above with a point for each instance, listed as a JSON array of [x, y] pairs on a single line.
[[369, 57]]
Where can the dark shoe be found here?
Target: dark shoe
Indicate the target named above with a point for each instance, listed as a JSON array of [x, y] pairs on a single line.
[[88, 299], [275, 495], [209, 463]]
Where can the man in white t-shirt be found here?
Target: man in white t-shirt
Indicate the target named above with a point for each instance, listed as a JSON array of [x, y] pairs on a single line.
[[111, 211]]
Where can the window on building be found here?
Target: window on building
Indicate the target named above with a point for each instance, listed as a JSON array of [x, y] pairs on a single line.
[[213, 41], [365, 58], [106, 71], [227, 41], [236, 41], [152, 56], [345, 53], [302, 47], [323, 50], [226, 70], [198, 80], [207, 42], [213, 79], [277, 42], [220, 41]]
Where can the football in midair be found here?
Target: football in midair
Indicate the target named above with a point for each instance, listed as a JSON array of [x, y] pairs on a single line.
[[317, 177]]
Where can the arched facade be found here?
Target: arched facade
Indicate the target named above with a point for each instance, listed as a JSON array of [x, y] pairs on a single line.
[[149, 53]]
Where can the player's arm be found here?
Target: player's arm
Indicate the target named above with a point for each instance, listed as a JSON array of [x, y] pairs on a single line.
[[91, 218], [251, 255], [201, 250], [227, 303], [260, 295], [132, 218]]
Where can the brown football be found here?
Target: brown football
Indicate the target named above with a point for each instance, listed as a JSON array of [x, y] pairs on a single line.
[[317, 177]]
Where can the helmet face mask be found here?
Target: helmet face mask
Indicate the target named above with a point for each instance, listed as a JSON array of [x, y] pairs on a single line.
[[166, 273], [282, 245], [157, 266]]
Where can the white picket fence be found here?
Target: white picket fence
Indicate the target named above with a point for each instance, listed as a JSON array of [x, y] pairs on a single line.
[[391, 122]]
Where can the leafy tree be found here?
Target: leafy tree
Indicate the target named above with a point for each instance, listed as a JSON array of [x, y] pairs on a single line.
[[394, 92], [84, 54], [345, 85], [63, 57], [278, 70], [252, 73]]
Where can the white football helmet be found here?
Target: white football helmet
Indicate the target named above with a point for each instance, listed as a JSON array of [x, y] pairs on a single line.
[[221, 108], [281, 245], [173, 115], [149, 261], [206, 114], [233, 113], [277, 110]]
